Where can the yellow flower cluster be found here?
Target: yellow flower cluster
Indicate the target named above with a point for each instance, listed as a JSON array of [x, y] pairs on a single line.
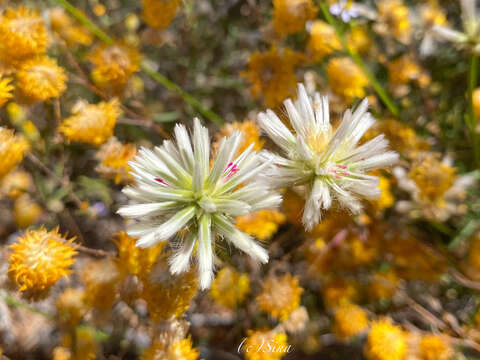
[[12, 150], [113, 65], [5, 90], [230, 288], [350, 320], [15, 183], [101, 280], [290, 16], [346, 79], [272, 74], [323, 40], [262, 224], [434, 347], [23, 35], [168, 295], [179, 350], [113, 157], [385, 342], [403, 70], [91, 124], [280, 296], [70, 306], [395, 16], [338, 291], [39, 259], [159, 13], [41, 79], [81, 345], [133, 260], [26, 211], [265, 345], [250, 134]]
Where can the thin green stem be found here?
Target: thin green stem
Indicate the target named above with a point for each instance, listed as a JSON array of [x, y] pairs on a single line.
[[471, 120], [381, 92], [159, 78]]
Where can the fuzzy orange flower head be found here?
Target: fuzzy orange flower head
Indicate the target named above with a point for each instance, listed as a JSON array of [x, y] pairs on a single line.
[[91, 123], [39, 259], [113, 157], [168, 295], [346, 79], [23, 35], [385, 342], [394, 20], [280, 296], [272, 75], [159, 14], [16, 183], [290, 16], [113, 65], [323, 40], [434, 347], [262, 224], [265, 345], [41, 79], [230, 288], [101, 279], [181, 349], [12, 150], [350, 320], [70, 306], [250, 135]]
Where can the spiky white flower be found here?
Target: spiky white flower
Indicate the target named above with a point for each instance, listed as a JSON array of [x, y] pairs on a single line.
[[328, 163], [177, 189], [470, 37]]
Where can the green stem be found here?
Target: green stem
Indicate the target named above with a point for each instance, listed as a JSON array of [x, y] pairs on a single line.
[[381, 92], [159, 78], [471, 120]]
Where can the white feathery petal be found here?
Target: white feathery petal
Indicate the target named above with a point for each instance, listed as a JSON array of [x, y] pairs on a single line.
[[205, 254], [153, 209], [276, 130], [184, 146], [447, 34], [180, 260]]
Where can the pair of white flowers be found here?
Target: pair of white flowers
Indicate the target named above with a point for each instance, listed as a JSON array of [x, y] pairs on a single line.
[[179, 191]]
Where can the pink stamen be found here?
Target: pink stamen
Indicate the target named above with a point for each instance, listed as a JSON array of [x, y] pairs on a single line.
[[161, 181], [342, 166], [230, 170]]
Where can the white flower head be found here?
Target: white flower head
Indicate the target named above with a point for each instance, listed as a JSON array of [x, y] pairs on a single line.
[[177, 189], [327, 162], [470, 37]]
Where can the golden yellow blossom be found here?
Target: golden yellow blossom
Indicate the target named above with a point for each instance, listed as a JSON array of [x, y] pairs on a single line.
[[323, 40], [350, 320], [67, 29], [70, 306], [16, 183], [230, 288], [134, 260], [262, 224], [386, 198], [292, 207], [113, 159], [359, 40], [41, 79], [39, 259], [403, 70], [272, 75], [280, 296], [290, 16], [168, 295], [159, 14], [432, 177], [5, 90], [61, 353], [346, 79], [339, 291], [432, 14], [179, 350], [113, 65], [91, 124], [264, 345], [385, 342], [434, 347], [101, 279], [26, 211], [12, 150], [22, 35], [250, 134], [395, 16]]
